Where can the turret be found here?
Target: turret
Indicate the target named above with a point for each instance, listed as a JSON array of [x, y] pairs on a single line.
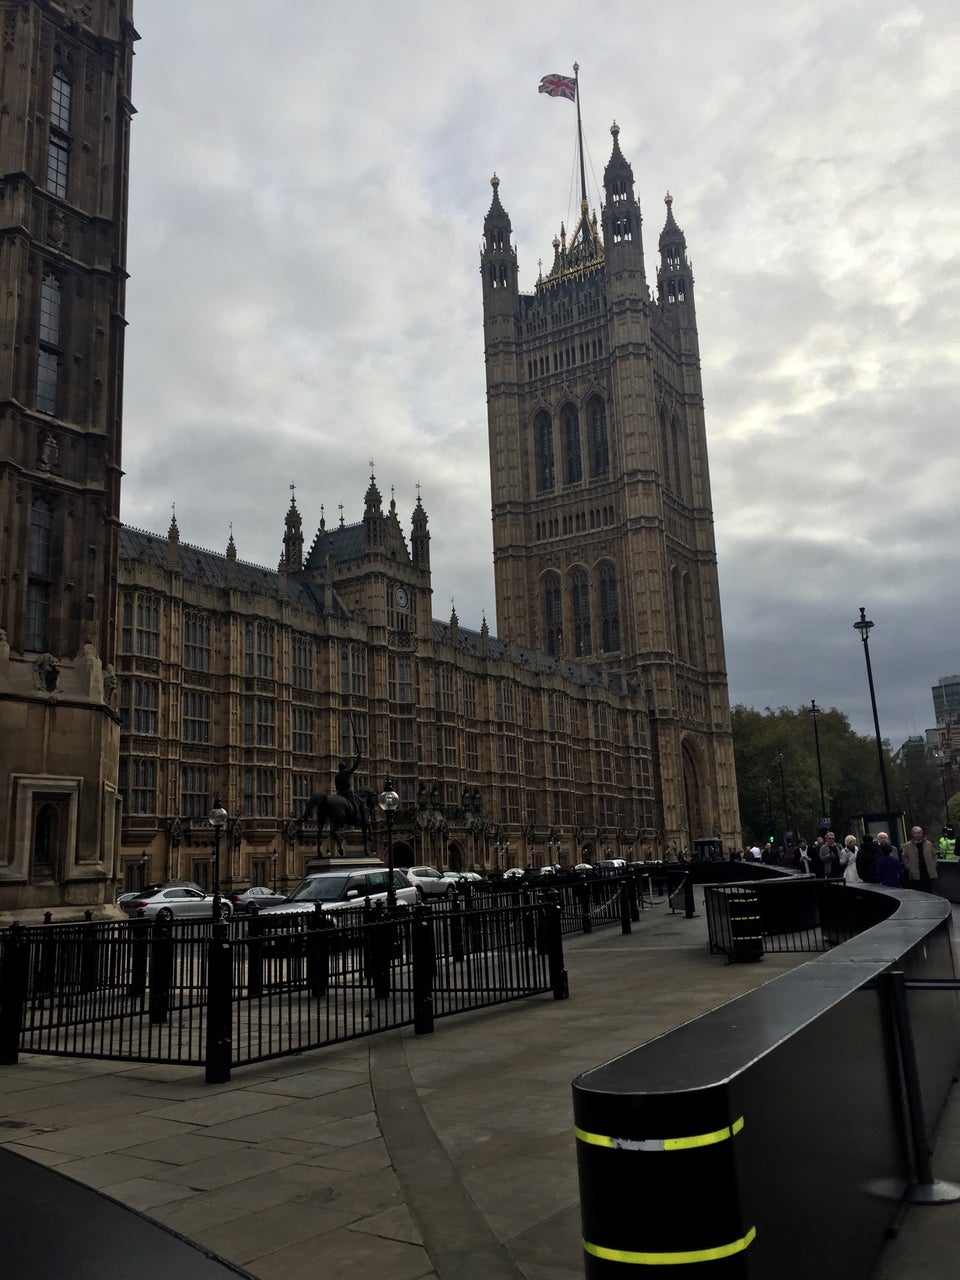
[[420, 538], [623, 246], [674, 275], [498, 260], [373, 516], [293, 539]]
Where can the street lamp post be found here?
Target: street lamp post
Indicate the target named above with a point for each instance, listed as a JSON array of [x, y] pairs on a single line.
[[276, 859], [863, 625], [388, 801], [217, 817], [816, 742], [783, 797]]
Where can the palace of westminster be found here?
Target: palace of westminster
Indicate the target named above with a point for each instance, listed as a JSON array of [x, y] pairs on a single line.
[[141, 676]]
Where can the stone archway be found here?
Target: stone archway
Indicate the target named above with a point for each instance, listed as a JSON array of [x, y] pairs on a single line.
[[454, 857], [692, 792]]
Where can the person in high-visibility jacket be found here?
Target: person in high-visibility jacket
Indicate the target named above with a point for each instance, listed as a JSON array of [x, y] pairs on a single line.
[[948, 845]]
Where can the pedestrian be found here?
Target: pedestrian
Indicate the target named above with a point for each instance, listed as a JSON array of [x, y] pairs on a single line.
[[848, 861], [920, 861], [801, 859], [867, 860], [889, 868], [948, 845], [830, 857]]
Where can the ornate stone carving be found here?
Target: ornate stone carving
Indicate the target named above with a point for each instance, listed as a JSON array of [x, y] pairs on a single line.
[[48, 453], [48, 673]]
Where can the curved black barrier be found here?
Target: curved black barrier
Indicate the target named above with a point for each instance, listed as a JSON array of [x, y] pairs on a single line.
[[704, 1152]]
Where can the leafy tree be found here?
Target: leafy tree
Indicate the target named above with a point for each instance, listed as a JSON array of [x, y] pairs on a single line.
[[777, 778]]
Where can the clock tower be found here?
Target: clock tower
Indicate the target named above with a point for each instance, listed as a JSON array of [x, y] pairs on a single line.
[[64, 146]]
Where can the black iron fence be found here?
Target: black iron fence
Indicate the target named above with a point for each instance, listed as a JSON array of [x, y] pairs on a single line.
[[222, 995], [799, 913]]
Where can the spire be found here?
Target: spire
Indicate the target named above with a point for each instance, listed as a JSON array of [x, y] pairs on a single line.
[[293, 536], [498, 260], [231, 560], [621, 213], [373, 514], [419, 537], [674, 276], [173, 542]]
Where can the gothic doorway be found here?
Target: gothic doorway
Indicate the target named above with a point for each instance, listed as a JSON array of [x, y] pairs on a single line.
[[692, 792]]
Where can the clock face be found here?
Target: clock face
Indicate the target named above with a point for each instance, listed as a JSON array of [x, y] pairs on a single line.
[[401, 597]]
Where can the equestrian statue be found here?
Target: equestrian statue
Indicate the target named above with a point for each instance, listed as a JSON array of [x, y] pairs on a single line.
[[345, 808]]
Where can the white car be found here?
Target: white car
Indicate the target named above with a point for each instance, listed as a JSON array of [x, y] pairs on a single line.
[[335, 890], [461, 876], [429, 883]]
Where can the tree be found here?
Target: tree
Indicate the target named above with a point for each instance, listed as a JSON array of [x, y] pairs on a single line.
[[763, 742]]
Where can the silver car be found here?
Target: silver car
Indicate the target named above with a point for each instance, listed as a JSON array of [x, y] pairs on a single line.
[[178, 902]]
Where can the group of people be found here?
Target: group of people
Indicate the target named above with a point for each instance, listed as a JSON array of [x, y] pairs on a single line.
[[876, 860]]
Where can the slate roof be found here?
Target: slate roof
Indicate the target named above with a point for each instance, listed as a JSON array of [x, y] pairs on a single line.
[[210, 569]]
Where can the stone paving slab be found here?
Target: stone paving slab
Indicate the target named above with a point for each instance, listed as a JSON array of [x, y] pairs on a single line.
[[443, 1157]]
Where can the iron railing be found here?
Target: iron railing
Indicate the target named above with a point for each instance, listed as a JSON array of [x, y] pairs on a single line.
[[226, 994]]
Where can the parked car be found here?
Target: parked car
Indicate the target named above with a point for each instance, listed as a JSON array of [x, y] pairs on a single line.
[[257, 896], [175, 902], [539, 875], [335, 890], [513, 873], [611, 864], [149, 889], [472, 876], [429, 883]]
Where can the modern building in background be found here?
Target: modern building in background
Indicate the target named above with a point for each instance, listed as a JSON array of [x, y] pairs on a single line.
[[141, 676], [64, 145]]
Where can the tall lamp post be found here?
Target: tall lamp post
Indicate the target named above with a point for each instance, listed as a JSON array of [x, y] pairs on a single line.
[[217, 817], [863, 625], [816, 742], [388, 801]]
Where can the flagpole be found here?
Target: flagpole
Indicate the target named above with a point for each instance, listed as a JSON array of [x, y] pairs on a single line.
[[580, 135]]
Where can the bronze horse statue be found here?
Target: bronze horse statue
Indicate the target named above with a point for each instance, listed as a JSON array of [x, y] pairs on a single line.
[[336, 811]]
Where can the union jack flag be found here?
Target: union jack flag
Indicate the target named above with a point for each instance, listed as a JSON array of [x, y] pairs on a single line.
[[559, 86]]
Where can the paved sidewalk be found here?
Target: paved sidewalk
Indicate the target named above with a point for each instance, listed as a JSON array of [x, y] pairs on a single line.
[[400, 1156]]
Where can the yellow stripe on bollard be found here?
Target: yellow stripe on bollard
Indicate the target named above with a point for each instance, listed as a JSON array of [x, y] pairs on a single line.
[[660, 1144], [678, 1258]]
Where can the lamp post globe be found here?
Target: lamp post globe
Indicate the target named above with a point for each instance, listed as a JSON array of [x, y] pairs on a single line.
[[388, 801], [217, 817]]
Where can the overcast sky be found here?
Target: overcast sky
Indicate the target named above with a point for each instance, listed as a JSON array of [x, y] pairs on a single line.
[[308, 187]]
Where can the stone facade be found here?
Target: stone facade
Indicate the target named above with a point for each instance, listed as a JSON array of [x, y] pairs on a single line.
[[255, 683], [602, 523], [64, 145], [143, 676]]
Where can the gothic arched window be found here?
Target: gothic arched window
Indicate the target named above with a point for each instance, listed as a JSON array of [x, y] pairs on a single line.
[[543, 437], [58, 150], [552, 614], [609, 609], [580, 601], [48, 332], [572, 460], [599, 446]]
